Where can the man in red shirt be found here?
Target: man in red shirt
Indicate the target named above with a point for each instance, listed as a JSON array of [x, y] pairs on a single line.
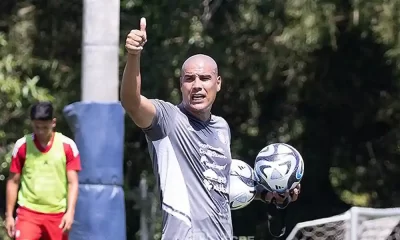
[[45, 166]]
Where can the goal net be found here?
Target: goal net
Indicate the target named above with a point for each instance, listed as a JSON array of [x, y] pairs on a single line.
[[355, 224]]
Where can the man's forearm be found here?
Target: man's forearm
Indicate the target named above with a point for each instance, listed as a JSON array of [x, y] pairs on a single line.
[[72, 196], [11, 197], [131, 83]]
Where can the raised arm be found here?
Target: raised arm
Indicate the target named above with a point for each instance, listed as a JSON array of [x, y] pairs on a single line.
[[140, 109]]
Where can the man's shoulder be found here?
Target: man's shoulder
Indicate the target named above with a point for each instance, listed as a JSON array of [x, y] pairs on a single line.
[[19, 145], [222, 129], [21, 141], [172, 110], [220, 121], [69, 143], [65, 139], [164, 104]]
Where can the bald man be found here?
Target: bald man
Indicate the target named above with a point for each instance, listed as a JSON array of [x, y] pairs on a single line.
[[189, 147]]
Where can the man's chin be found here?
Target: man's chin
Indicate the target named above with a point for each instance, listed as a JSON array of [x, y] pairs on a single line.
[[199, 107]]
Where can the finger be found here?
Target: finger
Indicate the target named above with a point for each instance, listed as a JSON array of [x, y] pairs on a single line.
[[143, 28], [135, 37], [268, 197], [297, 188], [69, 227], [130, 47], [10, 231], [66, 226], [136, 40], [62, 224], [295, 195], [143, 24], [287, 193], [278, 195], [133, 43], [278, 198]]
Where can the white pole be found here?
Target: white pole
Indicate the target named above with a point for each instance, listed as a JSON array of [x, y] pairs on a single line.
[[354, 223], [100, 50], [144, 230]]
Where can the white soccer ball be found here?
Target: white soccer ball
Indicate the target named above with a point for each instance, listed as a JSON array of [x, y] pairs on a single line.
[[242, 184], [279, 167]]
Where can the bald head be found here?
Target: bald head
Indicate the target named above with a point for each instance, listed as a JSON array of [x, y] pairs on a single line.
[[200, 61], [199, 84]]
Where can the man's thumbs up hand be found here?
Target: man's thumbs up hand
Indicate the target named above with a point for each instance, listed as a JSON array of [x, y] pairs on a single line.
[[136, 39]]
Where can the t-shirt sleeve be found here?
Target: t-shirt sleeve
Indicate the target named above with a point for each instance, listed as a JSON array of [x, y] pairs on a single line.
[[163, 121], [229, 137], [18, 156], [229, 134], [72, 155]]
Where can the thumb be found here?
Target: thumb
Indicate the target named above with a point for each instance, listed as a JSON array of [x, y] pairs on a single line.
[[143, 24], [11, 230]]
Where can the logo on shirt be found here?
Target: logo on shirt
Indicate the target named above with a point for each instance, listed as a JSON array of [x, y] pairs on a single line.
[[222, 137]]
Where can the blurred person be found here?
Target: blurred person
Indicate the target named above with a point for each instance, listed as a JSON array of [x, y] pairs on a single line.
[[190, 148], [45, 166]]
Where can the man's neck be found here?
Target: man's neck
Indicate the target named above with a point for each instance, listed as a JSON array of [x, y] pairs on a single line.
[[201, 115], [45, 142]]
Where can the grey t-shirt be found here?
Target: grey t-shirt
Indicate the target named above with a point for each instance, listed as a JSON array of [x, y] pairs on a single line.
[[191, 161]]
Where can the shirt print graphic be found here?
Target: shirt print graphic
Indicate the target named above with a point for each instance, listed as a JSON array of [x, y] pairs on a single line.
[[215, 164]]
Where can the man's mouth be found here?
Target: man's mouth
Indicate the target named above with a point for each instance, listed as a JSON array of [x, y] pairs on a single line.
[[197, 97]]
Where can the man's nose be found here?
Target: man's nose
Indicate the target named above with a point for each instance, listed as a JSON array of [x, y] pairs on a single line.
[[39, 131], [197, 84]]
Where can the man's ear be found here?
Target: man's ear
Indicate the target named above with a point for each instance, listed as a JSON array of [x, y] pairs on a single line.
[[54, 122], [219, 83]]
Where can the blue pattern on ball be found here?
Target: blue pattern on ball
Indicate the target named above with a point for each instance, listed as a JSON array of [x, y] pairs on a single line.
[[274, 182]]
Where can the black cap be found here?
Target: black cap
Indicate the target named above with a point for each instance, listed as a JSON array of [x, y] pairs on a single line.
[[42, 111]]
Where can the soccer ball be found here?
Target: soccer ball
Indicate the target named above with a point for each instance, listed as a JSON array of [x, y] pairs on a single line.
[[279, 167], [242, 184]]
